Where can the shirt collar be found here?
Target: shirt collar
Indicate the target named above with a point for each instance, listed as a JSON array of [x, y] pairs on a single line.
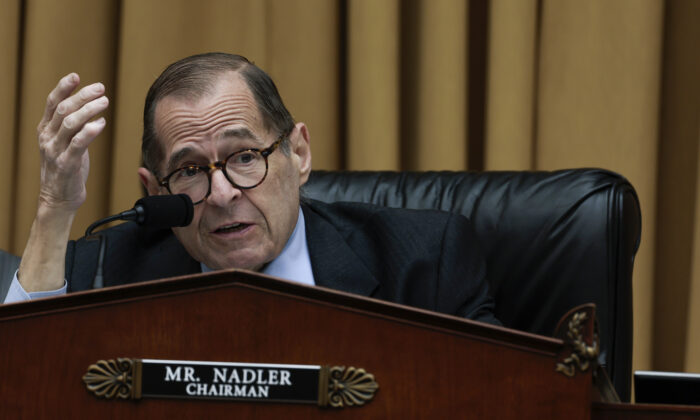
[[293, 263]]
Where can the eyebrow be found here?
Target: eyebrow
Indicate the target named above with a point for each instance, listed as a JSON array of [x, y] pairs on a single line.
[[240, 133], [173, 162]]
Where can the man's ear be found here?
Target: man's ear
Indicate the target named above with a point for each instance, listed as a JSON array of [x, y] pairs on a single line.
[[301, 148], [149, 181]]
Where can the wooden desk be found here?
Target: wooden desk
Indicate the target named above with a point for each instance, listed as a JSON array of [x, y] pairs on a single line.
[[427, 365]]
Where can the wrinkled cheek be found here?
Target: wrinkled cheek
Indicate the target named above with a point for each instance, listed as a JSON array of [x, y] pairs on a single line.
[[191, 240]]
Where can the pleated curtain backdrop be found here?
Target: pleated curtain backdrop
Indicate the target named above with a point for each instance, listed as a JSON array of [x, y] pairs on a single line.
[[404, 85]]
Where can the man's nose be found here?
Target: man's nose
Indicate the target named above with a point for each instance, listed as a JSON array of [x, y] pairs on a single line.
[[222, 191]]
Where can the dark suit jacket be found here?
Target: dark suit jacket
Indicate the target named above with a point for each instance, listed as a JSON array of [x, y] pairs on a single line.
[[427, 259], [8, 265]]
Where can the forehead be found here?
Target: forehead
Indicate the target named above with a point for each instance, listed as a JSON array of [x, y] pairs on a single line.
[[227, 104]]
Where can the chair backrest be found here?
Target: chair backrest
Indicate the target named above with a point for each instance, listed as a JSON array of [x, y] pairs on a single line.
[[8, 266], [552, 240]]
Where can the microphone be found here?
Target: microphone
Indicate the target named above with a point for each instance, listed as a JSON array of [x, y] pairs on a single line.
[[159, 211]]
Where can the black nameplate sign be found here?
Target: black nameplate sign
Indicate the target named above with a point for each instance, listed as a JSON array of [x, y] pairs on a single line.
[[150, 378], [245, 381]]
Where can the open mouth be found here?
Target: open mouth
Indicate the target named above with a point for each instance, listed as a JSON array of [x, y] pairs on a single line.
[[236, 227]]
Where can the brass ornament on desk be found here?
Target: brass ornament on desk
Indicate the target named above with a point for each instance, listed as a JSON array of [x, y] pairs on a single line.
[[583, 355], [351, 386], [113, 378]]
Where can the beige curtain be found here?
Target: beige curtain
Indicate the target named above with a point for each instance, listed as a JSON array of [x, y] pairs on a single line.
[[413, 84]]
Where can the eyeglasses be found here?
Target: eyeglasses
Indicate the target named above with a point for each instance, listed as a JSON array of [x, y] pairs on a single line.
[[244, 169]]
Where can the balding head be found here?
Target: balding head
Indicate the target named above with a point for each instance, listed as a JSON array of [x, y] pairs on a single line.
[[195, 76]]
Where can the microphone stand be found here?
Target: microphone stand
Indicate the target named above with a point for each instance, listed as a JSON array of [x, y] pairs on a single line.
[[98, 281]]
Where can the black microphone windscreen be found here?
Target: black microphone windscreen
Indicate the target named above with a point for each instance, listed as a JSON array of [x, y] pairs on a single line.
[[165, 211]]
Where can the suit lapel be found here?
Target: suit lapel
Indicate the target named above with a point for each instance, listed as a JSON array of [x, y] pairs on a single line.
[[334, 263]]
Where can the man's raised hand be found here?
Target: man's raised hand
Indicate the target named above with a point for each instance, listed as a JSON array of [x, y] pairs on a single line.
[[65, 132]]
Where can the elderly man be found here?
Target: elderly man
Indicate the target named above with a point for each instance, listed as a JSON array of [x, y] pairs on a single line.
[[215, 128]]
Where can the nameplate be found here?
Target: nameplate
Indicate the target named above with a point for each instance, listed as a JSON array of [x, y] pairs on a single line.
[[335, 386]]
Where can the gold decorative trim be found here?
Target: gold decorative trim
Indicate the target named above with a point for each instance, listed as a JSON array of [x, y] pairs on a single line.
[[348, 387], [120, 378], [323, 393], [582, 355]]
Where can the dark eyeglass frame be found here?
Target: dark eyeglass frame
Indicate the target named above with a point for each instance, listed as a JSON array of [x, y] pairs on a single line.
[[221, 164]]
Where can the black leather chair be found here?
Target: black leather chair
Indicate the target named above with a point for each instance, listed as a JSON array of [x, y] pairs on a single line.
[[8, 266], [552, 241]]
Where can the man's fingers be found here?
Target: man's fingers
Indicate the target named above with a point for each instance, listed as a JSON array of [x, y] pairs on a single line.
[[82, 139], [76, 121], [62, 90], [72, 104]]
